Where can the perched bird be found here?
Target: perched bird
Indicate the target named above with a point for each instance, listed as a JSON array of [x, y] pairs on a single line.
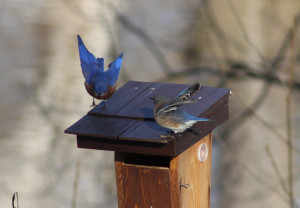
[[168, 114], [98, 83]]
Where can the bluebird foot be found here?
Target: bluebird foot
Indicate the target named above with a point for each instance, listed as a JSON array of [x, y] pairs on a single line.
[[93, 104], [170, 134], [103, 108]]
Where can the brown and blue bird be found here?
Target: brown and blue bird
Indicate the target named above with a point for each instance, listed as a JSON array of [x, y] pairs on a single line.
[[98, 83], [168, 113]]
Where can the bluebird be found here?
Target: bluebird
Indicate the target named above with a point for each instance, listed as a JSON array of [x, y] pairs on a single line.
[[98, 83], [168, 114]]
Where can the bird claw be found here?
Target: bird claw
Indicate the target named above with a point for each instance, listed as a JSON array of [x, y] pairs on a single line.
[[103, 103], [103, 108], [93, 104], [179, 134], [170, 135], [166, 136]]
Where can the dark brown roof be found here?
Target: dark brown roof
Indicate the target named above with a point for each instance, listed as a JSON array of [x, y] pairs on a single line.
[[127, 125]]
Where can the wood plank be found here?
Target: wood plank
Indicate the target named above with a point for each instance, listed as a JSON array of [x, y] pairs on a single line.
[[142, 186], [142, 106], [148, 131], [121, 98], [106, 127], [138, 147], [119, 179], [187, 169]]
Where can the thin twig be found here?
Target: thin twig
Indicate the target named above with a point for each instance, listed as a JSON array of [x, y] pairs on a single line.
[[107, 5], [268, 125], [237, 71], [284, 44], [147, 40], [276, 169], [243, 29], [288, 117], [265, 89], [253, 173], [15, 200], [75, 185]]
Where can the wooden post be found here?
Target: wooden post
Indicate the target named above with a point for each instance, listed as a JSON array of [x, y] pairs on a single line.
[[152, 171], [183, 182], [195, 174]]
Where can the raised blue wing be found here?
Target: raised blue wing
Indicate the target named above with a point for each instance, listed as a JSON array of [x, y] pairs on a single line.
[[114, 69], [89, 64]]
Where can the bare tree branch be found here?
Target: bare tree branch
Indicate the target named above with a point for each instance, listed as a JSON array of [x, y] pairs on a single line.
[[147, 40]]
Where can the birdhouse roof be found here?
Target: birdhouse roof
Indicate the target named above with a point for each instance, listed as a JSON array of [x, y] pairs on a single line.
[[126, 124]]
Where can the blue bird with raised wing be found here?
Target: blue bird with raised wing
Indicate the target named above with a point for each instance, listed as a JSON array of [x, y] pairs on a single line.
[[168, 114], [98, 83]]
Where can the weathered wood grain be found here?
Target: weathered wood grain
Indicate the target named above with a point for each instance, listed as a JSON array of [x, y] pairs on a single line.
[[142, 186], [142, 107], [181, 181], [98, 126], [121, 98], [187, 169]]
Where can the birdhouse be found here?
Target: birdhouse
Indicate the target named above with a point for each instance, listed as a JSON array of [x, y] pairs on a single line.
[[152, 168]]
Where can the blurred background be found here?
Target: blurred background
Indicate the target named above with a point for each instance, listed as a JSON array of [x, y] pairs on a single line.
[[250, 46]]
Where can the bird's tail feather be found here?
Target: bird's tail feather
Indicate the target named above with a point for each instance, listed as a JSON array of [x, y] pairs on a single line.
[[188, 92]]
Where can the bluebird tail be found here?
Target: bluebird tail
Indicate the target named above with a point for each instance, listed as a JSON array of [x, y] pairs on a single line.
[[183, 117], [203, 119], [188, 92], [199, 119], [99, 84]]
